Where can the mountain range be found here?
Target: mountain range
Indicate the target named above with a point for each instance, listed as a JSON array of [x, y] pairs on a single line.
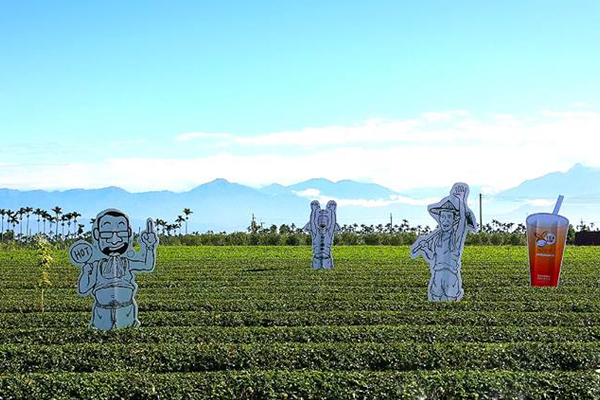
[[225, 206]]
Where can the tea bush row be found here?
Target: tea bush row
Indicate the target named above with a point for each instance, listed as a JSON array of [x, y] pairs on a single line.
[[297, 385], [250, 305], [308, 334], [170, 358], [309, 318]]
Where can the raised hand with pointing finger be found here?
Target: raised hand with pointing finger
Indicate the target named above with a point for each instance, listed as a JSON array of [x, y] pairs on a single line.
[[149, 237], [149, 242]]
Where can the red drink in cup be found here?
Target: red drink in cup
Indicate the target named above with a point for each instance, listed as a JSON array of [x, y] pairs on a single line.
[[546, 239]]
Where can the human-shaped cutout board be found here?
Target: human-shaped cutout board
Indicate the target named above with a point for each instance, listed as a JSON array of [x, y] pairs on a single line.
[[322, 226], [109, 266], [443, 247]]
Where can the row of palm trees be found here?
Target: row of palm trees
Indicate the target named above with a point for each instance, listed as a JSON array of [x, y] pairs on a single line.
[[53, 223], [50, 223], [176, 226]]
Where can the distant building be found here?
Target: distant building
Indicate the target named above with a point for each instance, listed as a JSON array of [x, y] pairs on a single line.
[[587, 238]]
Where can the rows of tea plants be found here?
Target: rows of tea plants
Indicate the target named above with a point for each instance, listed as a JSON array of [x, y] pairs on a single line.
[[257, 322]]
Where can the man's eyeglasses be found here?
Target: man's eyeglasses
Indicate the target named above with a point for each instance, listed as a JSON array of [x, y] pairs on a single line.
[[109, 235]]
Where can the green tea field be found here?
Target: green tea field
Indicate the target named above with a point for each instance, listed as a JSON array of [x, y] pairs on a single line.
[[259, 323]]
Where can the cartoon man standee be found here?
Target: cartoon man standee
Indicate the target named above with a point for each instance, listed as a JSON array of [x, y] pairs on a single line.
[[108, 268], [443, 247], [322, 226]]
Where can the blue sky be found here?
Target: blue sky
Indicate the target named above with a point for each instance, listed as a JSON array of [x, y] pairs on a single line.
[[188, 91]]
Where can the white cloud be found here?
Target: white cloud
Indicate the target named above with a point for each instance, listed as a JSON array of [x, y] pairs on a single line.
[[570, 114], [315, 194], [308, 193], [186, 137], [540, 202], [431, 130], [497, 152], [413, 202], [371, 131], [444, 115]]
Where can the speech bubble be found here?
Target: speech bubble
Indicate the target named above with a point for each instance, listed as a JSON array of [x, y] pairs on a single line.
[[81, 252]]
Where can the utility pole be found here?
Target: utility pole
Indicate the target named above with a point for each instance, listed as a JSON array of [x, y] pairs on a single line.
[[480, 210], [253, 225], [391, 223]]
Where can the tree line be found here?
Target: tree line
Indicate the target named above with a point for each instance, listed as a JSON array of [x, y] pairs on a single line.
[[49, 223], [20, 226], [56, 225]]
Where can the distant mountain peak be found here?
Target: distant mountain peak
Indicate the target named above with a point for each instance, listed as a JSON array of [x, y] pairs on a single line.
[[222, 181], [273, 185], [583, 169], [581, 166], [113, 189], [576, 166], [579, 180], [316, 180], [219, 182], [343, 189]]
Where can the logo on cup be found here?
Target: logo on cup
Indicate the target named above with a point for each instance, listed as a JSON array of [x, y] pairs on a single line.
[[545, 239]]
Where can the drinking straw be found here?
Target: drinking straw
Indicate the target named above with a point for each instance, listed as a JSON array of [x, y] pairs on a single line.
[[558, 204]]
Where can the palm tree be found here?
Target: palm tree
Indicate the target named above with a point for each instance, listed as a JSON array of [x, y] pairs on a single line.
[[38, 213], [69, 218], [20, 214], [161, 224], [9, 215], [405, 225], [75, 215], [57, 210], [27, 211], [65, 218], [187, 212], [2, 215], [13, 221], [45, 217], [51, 220], [179, 221]]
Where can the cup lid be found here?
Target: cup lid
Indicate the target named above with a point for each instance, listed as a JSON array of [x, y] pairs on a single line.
[[547, 219]]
